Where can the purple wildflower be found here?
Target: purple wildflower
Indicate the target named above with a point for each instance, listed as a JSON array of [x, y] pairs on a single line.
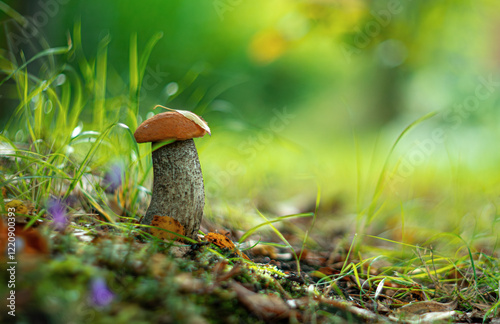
[[57, 210], [113, 178], [100, 294]]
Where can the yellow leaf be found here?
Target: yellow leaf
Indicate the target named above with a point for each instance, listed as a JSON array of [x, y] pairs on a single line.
[[223, 242], [220, 240], [18, 205], [168, 223], [191, 116]]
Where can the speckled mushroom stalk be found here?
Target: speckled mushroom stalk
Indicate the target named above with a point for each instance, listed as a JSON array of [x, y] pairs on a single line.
[[178, 190]]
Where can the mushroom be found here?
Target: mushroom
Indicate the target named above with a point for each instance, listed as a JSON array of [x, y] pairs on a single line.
[[178, 190]]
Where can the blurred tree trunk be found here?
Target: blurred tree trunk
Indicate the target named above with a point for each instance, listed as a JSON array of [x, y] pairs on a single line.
[[388, 103]]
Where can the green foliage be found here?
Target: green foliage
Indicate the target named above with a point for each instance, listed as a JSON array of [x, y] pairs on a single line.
[[435, 234], [66, 145]]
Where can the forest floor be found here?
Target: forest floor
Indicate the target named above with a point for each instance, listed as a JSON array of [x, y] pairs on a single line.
[[92, 271]]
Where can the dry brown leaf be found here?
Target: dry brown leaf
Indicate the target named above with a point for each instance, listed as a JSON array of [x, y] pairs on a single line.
[[266, 307], [191, 116], [220, 240], [328, 271], [28, 241], [265, 250], [432, 317], [348, 307], [419, 308], [223, 242], [169, 224]]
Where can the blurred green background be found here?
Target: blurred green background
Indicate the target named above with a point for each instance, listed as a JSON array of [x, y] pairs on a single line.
[[311, 93]]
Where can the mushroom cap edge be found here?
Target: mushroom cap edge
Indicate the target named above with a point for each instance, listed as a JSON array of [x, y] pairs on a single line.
[[168, 125]]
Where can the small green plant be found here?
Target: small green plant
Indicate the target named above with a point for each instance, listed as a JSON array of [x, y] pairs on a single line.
[[65, 130]]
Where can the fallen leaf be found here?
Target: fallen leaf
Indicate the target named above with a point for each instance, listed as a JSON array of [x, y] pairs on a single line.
[[348, 307], [328, 271], [222, 242], [436, 316], [28, 241], [266, 307], [191, 116], [169, 224], [265, 250], [18, 205], [432, 317], [419, 308]]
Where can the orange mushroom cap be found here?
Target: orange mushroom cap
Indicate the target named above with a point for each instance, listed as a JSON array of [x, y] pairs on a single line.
[[169, 125]]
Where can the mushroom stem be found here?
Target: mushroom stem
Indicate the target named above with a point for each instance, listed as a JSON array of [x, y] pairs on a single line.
[[178, 190]]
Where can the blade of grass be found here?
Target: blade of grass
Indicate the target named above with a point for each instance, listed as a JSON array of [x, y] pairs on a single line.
[[269, 222], [306, 236], [77, 106], [83, 165], [348, 253], [47, 52], [283, 238], [395, 242], [134, 78], [100, 82], [13, 14], [137, 72], [104, 210], [493, 309], [370, 210], [356, 276]]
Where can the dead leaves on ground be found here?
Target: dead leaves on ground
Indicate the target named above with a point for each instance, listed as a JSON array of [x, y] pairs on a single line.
[[266, 307], [394, 301], [26, 241], [169, 224], [427, 307], [265, 251], [18, 206], [223, 242], [22, 209], [426, 311]]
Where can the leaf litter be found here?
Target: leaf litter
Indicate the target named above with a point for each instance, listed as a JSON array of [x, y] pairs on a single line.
[[151, 272], [155, 271]]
